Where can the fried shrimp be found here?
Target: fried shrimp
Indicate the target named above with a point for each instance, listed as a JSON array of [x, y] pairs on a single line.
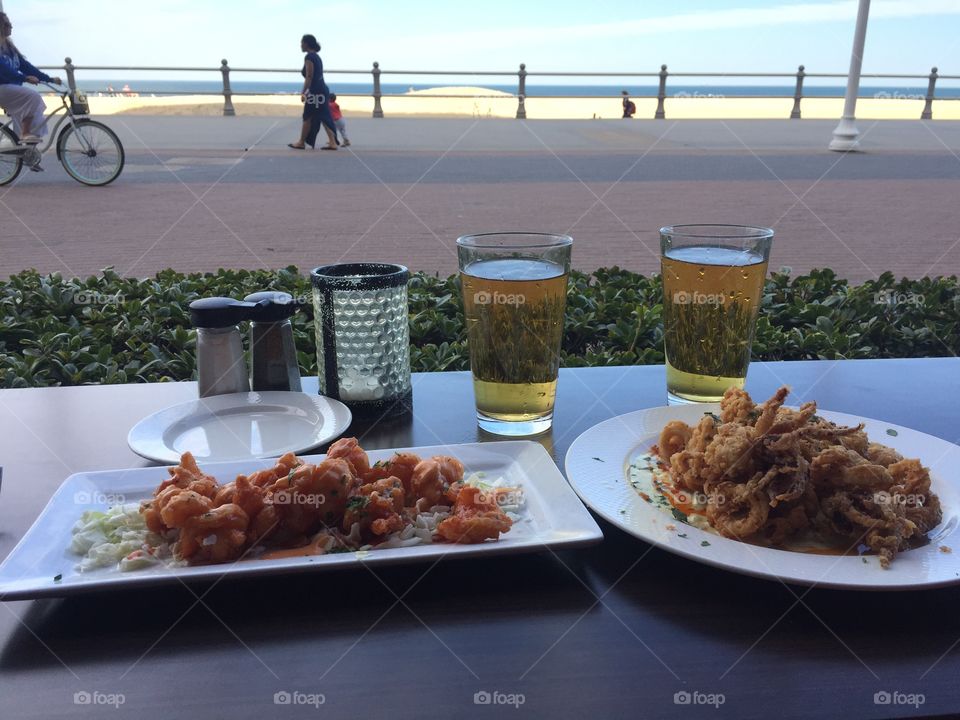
[[349, 449], [216, 536], [376, 508], [400, 466], [188, 476], [315, 496], [770, 473], [436, 481], [282, 510], [177, 506], [476, 518]]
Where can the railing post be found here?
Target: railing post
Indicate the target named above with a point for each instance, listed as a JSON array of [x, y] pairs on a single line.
[[797, 95], [661, 94], [522, 92], [68, 70], [227, 92], [927, 113], [377, 110]]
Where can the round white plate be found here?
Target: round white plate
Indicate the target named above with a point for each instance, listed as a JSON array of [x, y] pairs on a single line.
[[597, 465], [240, 426]]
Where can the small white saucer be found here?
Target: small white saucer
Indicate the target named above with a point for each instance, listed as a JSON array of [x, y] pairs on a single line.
[[240, 426]]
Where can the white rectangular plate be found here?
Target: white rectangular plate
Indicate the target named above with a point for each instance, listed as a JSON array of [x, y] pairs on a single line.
[[553, 518]]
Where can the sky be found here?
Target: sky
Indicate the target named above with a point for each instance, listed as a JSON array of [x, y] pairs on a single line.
[[905, 36]]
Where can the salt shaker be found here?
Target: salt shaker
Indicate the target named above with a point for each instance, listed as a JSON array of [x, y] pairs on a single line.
[[273, 363], [221, 368]]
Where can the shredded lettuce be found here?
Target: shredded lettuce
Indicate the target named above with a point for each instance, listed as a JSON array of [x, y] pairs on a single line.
[[115, 538]]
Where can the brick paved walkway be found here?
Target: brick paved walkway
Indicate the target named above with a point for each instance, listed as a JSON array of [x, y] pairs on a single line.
[[191, 197]]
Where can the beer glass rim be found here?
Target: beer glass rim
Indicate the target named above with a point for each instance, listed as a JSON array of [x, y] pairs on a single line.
[[514, 239], [718, 231]]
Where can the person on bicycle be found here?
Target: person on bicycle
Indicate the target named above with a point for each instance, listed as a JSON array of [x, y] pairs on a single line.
[[23, 104]]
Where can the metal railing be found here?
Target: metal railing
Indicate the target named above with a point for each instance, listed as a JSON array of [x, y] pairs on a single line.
[[522, 74]]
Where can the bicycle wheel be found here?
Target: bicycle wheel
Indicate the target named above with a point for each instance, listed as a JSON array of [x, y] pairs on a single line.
[[90, 152], [10, 163]]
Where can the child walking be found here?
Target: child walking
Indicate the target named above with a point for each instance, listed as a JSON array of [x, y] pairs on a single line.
[[338, 119]]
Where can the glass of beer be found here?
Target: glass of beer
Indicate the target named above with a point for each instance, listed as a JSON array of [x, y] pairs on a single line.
[[514, 295], [713, 279]]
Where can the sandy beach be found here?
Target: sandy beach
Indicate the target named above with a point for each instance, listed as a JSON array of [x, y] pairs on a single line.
[[483, 102]]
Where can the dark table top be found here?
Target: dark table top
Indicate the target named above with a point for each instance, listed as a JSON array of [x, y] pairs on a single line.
[[615, 630]]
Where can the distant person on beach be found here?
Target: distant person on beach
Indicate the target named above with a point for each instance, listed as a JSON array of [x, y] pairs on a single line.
[[316, 104], [629, 108], [338, 119], [23, 104]]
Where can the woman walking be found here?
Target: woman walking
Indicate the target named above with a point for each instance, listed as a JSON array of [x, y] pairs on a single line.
[[316, 107], [23, 104]]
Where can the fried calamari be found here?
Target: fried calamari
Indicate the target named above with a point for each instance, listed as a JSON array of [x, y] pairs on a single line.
[[769, 473]]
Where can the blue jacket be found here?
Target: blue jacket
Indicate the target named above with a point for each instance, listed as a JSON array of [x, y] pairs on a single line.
[[9, 75]]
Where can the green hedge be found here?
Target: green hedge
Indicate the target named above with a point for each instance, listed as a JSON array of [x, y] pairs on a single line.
[[108, 329]]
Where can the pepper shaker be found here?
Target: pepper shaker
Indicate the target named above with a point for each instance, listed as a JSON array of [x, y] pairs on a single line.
[[273, 363], [221, 368]]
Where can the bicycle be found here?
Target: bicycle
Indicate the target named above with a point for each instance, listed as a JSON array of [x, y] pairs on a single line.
[[89, 151]]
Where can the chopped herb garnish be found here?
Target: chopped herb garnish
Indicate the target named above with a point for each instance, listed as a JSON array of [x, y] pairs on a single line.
[[704, 543], [891, 431], [623, 512], [335, 550], [863, 560], [816, 419], [358, 502], [683, 535], [678, 515], [58, 577], [598, 459], [716, 419]]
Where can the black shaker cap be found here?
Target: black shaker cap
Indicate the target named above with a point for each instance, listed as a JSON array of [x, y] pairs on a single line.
[[219, 312], [272, 306]]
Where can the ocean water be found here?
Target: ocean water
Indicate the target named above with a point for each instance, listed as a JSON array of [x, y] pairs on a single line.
[[177, 87]]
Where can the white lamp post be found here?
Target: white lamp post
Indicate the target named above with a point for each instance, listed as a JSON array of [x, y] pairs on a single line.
[[846, 134]]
